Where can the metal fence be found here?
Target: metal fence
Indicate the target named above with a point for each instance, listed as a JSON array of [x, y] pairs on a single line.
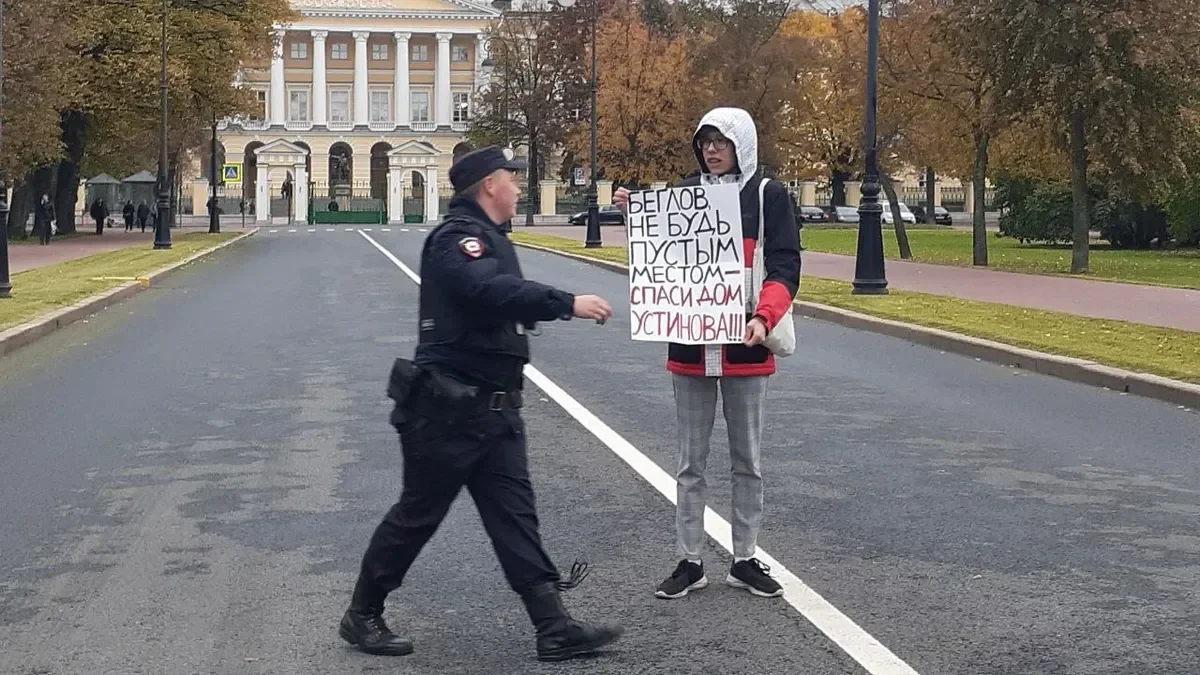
[[229, 198], [345, 203], [414, 204], [570, 200], [953, 198], [445, 193], [528, 204]]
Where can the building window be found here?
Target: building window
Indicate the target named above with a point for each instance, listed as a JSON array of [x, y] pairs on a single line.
[[298, 105], [340, 51], [339, 105], [379, 52], [419, 106], [299, 51], [458, 53], [381, 108], [420, 52], [460, 102], [260, 112]]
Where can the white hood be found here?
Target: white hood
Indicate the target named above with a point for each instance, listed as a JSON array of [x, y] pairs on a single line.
[[736, 125]]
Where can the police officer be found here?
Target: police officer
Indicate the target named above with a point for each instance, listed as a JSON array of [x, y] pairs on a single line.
[[458, 414]]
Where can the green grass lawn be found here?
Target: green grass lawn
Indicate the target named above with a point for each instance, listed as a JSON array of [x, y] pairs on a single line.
[[1161, 351], [45, 289], [953, 247]]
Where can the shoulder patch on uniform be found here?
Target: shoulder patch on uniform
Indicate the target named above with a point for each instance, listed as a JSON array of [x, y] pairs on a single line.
[[472, 246]]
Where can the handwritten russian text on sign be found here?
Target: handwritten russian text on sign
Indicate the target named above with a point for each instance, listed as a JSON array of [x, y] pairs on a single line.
[[686, 265]]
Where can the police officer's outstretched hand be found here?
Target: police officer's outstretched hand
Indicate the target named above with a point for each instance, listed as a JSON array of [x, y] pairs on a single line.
[[592, 307]]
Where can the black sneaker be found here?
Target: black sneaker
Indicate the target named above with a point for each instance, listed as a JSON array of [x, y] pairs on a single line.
[[688, 576], [754, 576]]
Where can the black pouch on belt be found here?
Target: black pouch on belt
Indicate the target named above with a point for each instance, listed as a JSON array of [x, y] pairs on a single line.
[[401, 383]]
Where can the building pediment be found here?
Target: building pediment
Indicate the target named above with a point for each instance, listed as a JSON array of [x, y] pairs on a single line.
[[280, 153], [396, 9], [414, 149], [413, 154]]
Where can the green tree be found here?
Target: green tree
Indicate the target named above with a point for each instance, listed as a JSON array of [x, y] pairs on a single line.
[[539, 89], [647, 112], [113, 98], [1113, 76]]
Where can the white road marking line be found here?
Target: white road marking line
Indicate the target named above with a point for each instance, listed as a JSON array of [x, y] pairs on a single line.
[[272, 231], [860, 645], [404, 229], [329, 229], [312, 229], [385, 229], [366, 229], [291, 230]]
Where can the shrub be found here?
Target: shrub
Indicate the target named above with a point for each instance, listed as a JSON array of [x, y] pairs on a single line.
[[1043, 212], [1183, 212], [1032, 211]]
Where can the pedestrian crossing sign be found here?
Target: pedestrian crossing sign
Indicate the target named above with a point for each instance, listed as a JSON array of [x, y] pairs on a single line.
[[231, 173]]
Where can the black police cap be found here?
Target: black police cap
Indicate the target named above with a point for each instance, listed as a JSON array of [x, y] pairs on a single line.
[[474, 166]]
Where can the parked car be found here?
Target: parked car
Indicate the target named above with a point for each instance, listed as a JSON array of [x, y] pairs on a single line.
[[610, 214], [843, 214], [940, 215], [811, 214], [905, 214]]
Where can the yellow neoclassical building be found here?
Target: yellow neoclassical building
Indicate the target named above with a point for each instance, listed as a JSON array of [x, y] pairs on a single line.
[[361, 107]]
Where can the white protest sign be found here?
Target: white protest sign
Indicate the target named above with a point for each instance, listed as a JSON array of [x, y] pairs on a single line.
[[686, 265]]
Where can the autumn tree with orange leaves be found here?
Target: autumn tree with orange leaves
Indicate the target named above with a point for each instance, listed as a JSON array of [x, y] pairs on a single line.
[[647, 107]]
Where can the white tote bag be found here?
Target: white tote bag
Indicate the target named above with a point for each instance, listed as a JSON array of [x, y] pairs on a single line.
[[781, 341]]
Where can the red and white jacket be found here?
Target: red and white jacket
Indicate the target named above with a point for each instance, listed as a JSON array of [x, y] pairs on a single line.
[[781, 253]]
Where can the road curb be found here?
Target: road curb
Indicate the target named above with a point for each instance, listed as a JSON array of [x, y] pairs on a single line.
[[1063, 367], [32, 331]]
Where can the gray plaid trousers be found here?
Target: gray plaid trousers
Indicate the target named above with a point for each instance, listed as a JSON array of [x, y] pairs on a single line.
[[696, 406]]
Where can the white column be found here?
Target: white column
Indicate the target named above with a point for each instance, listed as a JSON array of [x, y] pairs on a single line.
[[441, 87], [262, 194], [395, 195], [300, 195], [278, 91], [400, 115], [361, 98], [431, 194], [320, 90], [481, 46]]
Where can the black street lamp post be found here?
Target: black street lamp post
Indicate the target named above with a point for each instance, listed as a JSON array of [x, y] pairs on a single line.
[[869, 276], [5, 283], [162, 221], [214, 217], [593, 226], [593, 221]]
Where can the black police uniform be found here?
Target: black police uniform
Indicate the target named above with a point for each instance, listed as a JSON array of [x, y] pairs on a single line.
[[457, 412]]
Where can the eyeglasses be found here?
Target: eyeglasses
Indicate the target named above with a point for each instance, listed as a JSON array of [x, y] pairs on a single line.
[[717, 144]]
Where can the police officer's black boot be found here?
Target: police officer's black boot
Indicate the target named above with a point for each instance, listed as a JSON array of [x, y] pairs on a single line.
[[560, 637], [363, 626]]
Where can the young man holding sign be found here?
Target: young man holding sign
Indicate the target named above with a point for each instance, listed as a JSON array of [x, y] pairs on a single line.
[[726, 147]]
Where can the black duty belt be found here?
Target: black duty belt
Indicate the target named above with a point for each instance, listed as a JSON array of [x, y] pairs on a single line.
[[501, 400]]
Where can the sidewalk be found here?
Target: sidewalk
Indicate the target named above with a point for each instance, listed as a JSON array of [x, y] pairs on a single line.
[[30, 254], [1153, 305]]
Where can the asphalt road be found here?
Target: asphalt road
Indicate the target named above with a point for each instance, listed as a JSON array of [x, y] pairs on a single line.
[[188, 479]]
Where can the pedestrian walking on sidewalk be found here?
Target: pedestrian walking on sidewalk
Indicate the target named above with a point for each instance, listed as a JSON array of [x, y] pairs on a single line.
[[458, 415], [128, 212], [99, 213], [726, 147], [143, 216], [43, 219]]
